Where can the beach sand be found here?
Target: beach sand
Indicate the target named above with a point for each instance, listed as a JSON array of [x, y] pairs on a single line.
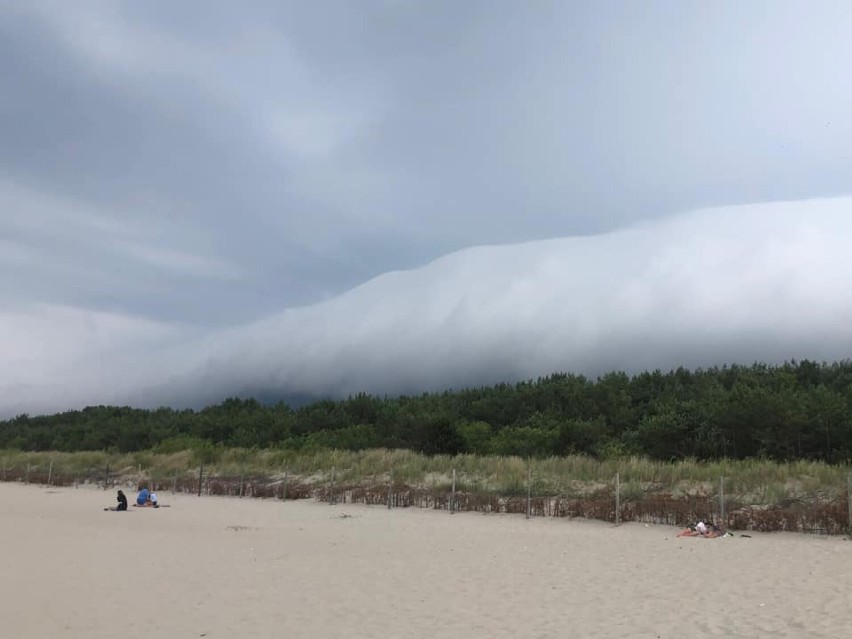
[[239, 568]]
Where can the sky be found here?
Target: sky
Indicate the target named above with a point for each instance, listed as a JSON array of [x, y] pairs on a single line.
[[203, 199]]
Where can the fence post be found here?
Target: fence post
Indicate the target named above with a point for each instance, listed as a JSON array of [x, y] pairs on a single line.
[[331, 490], [242, 483], [174, 482], [453, 495], [200, 477], [50, 473], [529, 490], [617, 499], [390, 487], [106, 476], [849, 500], [284, 488], [722, 501], [27, 474]]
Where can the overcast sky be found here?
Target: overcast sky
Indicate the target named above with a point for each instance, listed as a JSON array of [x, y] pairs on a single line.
[[189, 182]]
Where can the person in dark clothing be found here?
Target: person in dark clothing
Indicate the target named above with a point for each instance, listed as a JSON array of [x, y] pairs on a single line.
[[122, 501]]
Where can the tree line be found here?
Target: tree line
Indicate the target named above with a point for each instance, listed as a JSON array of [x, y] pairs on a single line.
[[798, 410]]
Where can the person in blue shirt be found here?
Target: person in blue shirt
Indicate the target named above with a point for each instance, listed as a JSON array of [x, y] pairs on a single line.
[[142, 497]]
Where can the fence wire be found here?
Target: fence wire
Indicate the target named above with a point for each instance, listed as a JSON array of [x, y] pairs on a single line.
[[827, 512]]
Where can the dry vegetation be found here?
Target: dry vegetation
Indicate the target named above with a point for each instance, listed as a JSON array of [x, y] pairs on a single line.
[[760, 495]]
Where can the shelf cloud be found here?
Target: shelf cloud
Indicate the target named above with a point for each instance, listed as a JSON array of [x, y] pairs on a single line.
[[321, 198], [764, 282]]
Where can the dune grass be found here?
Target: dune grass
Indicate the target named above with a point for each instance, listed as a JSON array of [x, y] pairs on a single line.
[[760, 481]]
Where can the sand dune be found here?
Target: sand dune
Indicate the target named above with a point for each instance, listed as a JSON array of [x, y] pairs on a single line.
[[229, 568]]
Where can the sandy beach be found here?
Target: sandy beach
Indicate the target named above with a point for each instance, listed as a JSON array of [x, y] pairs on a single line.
[[230, 568]]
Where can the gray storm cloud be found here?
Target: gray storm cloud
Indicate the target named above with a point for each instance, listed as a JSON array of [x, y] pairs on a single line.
[[159, 157], [765, 282], [189, 196]]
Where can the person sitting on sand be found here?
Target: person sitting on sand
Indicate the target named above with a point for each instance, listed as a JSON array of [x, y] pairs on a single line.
[[698, 530], [122, 502], [142, 497], [708, 530], [153, 499]]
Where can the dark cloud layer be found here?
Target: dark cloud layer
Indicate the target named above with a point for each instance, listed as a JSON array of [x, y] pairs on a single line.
[[190, 168], [752, 283]]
